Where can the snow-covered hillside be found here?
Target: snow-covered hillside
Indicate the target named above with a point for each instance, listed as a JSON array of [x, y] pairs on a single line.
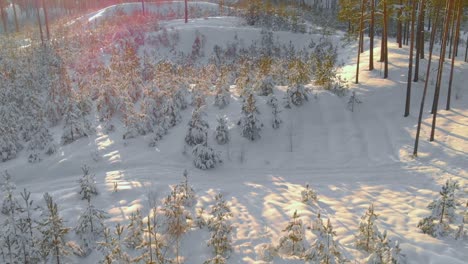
[[350, 158]]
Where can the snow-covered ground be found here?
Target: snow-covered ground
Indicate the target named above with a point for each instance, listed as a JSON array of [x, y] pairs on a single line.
[[351, 159]]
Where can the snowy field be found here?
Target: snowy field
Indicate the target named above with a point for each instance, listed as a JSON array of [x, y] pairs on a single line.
[[351, 159]]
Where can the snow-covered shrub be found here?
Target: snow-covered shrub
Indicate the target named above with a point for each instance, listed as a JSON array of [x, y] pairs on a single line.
[[185, 191], [180, 97], [133, 122], [308, 195], [273, 102], [135, 228], [292, 243], [368, 231], [222, 96], [220, 228], [323, 61], [26, 229], [205, 157], [87, 184], [9, 141], [9, 203], [90, 226], [296, 94], [250, 125], [222, 131], [198, 128], [324, 249], [442, 212], [266, 252]]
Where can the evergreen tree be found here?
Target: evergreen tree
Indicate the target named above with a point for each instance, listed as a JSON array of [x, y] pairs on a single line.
[[296, 94], [385, 252], [76, 124], [87, 184], [9, 141], [308, 195], [273, 102], [41, 142], [220, 240], [265, 86], [324, 249], [442, 212], [222, 131], [112, 247], [292, 243], [205, 157], [9, 203], [90, 226], [249, 122], [53, 232], [27, 232], [135, 228], [198, 128], [368, 231]]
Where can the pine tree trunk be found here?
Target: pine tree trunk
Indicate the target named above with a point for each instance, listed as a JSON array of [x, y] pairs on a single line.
[[186, 12], [426, 82], [435, 103], [385, 22], [400, 26], [455, 44], [46, 19], [143, 6], [15, 16], [39, 21], [419, 39], [361, 25], [466, 50], [422, 42], [4, 17], [410, 65], [371, 36]]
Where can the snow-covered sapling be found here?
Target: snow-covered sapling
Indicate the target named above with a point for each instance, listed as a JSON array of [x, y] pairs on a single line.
[[198, 128], [90, 226], [324, 248], [442, 211], [9, 204], [265, 86], [76, 124], [292, 243], [308, 195], [296, 94], [250, 125], [27, 232], [205, 157], [220, 240], [276, 120], [185, 191], [53, 232], [222, 95], [112, 247], [353, 100], [134, 236], [41, 142], [385, 251], [368, 231], [222, 131], [87, 184]]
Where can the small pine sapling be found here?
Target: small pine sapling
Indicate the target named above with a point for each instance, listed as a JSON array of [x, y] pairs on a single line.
[[90, 226], [368, 231], [9, 203], [461, 230], [76, 124], [324, 248], [53, 232], [220, 228], [87, 184], [135, 228], [296, 94], [250, 125], [27, 236], [112, 247], [308, 195], [273, 102], [353, 100], [185, 191], [385, 251], [442, 212], [292, 243], [222, 95], [265, 86], [222, 131]]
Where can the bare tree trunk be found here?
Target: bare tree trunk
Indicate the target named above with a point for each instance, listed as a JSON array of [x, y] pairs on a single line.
[[400, 26], [361, 25], [410, 65], [371, 36], [385, 22], [441, 67], [466, 50], [455, 44], [15, 16], [39, 21], [419, 39], [143, 6], [422, 42], [4, 17], [186, 12], [46, 19], [426, 82]]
